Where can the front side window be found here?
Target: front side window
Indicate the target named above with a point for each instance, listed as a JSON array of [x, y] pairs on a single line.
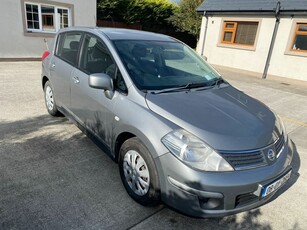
[[239, 33], [46, 18], [300, 38], [68, 46], [157, 65], [96, 58]]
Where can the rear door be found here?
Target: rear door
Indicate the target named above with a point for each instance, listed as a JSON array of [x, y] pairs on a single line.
[[63, 64]]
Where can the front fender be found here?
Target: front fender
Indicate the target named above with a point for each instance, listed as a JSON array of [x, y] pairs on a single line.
[[141, 122]]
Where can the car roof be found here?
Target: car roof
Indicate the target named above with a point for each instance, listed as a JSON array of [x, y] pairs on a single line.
[[122, 34]]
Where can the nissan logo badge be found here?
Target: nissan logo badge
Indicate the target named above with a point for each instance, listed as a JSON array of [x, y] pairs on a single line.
[[271, 154]]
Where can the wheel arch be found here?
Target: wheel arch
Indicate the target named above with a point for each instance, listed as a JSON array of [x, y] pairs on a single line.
[[151, 142], [44, 80], [121, 138], [149, 133]]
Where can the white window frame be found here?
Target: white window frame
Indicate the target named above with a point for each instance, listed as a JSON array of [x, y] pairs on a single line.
[[40, 19], [68, 15]]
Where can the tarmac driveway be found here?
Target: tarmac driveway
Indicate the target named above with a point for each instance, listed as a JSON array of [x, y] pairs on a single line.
[[53, 177]]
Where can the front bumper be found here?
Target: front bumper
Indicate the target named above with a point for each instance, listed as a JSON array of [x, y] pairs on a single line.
[[213, 194]]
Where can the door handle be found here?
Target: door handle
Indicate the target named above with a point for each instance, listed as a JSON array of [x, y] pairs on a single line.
[[52, 65], [76, 80]]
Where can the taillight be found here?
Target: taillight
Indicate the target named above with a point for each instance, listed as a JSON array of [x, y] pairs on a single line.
[[45, 54]]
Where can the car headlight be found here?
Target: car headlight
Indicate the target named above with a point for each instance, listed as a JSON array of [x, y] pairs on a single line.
[[281, 123], [194, 152]]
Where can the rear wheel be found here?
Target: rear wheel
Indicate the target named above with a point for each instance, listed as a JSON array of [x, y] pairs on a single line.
[[138, 172], [49, 100]]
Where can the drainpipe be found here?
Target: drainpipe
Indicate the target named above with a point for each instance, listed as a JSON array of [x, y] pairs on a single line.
[[267, 64], [205, 34]]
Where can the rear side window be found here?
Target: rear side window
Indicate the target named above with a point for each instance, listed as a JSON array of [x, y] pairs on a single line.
[[68, 46]]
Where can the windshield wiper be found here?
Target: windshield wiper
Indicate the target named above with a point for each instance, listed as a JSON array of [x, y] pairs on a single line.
[[218, 82], [183, 87]]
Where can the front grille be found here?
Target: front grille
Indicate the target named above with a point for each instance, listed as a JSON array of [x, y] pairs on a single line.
[[245, 160], [241, 160], [245, 199]]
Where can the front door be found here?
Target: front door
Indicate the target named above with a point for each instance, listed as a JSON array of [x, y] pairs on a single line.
[[90, 106]]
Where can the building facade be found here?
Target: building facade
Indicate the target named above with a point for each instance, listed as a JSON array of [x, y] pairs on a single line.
[[28, 26], [262, 36]]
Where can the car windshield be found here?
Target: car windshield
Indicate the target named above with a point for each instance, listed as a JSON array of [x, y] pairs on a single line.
[[157, 65]]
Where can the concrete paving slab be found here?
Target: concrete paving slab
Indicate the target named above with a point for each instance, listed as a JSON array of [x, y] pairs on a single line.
[[53, 177], [290, 125], [300, 136]]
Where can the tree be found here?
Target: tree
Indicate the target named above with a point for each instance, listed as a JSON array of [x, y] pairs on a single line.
[[112, 9], [153, 15], [185, 17], [131, 11], [149, 11]]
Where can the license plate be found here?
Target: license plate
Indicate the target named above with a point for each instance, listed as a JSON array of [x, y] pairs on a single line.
[[268, 189]]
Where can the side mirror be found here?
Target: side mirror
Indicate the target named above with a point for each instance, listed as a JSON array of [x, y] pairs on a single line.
[[102, 81]]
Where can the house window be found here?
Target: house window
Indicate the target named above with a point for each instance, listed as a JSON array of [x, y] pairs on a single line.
[[300, 38], [63, 17], [32, 16], [239, 33], [46, 18]]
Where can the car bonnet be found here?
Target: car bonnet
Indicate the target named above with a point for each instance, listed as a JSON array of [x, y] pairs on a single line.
[[225, 118]]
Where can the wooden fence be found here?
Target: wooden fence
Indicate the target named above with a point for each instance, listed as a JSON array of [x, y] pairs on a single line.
[[105, 23]]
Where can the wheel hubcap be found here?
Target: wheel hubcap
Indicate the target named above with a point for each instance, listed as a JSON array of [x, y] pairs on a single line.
[[49, 98], [136, 172]]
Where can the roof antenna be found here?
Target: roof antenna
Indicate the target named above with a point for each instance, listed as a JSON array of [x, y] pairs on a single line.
[[46, 43]]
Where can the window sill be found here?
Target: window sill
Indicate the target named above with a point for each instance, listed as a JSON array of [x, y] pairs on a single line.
[[296, 53], [39, 34], [234, 46]]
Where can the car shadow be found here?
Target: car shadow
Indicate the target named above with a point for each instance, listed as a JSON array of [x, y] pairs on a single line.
[[53, 177]]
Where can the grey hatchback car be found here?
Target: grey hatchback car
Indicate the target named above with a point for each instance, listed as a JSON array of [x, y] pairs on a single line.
[[180, 133]]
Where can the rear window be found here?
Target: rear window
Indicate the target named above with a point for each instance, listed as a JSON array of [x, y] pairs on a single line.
[[68, 46]]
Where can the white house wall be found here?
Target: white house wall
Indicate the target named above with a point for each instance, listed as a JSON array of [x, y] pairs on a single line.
[[281, 64], [14, 43], [286, 65]]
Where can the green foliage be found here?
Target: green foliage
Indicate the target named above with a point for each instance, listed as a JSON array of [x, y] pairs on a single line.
[[131, 11], [185, 17], [149, 11], [153, 15], [112, 9]]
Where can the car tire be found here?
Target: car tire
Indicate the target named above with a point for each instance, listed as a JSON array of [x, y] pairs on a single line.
[[138, 172], [50, 101]]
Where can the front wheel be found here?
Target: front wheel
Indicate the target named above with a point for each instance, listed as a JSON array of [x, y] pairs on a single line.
[[49, 100], [138, 172]]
